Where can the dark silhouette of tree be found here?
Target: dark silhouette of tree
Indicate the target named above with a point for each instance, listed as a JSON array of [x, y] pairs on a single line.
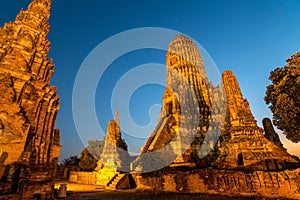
[[95, 148], [87, 161], [283, 98], [90, 155], [71, 161], [122, 145]]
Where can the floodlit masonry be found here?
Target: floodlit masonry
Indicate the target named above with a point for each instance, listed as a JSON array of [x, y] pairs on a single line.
[[29, 142], [243, 160], [185, 156]]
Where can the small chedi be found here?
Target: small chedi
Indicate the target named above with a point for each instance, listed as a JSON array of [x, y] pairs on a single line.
[[114, 157], [29, 142], [114, 152], [270, 133], [113, 163]]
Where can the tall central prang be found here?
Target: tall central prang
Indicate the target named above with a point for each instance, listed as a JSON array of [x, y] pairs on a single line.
[[186, 97]]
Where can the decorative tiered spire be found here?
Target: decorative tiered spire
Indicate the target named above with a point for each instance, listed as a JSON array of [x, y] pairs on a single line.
[[114, 149], [186, 108], [238, 107], [185, 70], [29, 105], [184, 56], [40, 5], [24, 42]]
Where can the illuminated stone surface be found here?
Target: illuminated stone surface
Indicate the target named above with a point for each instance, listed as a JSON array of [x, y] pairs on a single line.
[[114, 153], [244, 161], [186, 97], [29, 142], [244, 145]]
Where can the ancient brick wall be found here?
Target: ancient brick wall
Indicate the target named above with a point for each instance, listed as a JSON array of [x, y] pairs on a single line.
[[93, 178], [89, 178], [63, 172], [227, 182]]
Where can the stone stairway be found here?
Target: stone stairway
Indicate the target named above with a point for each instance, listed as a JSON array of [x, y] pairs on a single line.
[[112, 184]]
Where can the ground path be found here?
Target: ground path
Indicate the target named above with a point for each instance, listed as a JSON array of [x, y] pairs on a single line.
[[94, 192]]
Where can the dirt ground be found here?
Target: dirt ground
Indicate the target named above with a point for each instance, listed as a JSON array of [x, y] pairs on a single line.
[[91, 192]]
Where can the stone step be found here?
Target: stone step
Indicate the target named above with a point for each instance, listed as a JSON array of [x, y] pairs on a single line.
[[113, 184]]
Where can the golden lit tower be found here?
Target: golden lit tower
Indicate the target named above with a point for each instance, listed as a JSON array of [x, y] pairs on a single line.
[[186, 108], [238, 107], [29, 142], [185, 71], [245, 146], [114, 153]]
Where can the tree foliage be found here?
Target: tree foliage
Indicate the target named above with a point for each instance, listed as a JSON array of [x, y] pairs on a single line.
[[283, 98], [87, 161], [95, 147], [71, 161], [90, 155], [122, 145]]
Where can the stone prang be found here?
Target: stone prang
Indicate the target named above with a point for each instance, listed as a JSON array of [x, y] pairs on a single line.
[[29, 142]]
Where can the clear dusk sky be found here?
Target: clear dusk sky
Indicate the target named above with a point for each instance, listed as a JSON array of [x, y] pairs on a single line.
[[251, 38]]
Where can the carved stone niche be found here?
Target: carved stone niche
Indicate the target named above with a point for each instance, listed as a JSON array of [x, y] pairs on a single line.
[[26, 40], [29, 93], [23, 64]]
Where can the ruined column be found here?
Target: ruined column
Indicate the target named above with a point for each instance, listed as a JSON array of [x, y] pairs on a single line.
[[270, 132]]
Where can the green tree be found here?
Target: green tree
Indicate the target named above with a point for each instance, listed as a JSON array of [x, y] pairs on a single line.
[[87, 161], [283, 98]]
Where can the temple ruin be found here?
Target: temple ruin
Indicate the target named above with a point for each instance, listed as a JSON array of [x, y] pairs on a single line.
[[114, 152], [243, 160], [270, 132], [186, 97], [29, 142], [244, 144], [113, 164], [206, 140], [191, 111]]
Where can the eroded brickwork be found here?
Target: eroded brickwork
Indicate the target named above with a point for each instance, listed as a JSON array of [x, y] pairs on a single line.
[[114, 153], [244, 145], [285, 184], [186, 97], [245, 161], [29, 142]]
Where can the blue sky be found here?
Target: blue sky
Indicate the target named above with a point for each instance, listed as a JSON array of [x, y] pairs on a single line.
[[251, 38]]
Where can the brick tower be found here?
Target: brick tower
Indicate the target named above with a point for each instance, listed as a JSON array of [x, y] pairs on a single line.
[[29, 142], [114, 153], [244, 145], [186, 97]]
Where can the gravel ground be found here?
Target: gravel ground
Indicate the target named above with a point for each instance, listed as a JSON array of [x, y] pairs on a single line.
[[92, 192], [140, 195]]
